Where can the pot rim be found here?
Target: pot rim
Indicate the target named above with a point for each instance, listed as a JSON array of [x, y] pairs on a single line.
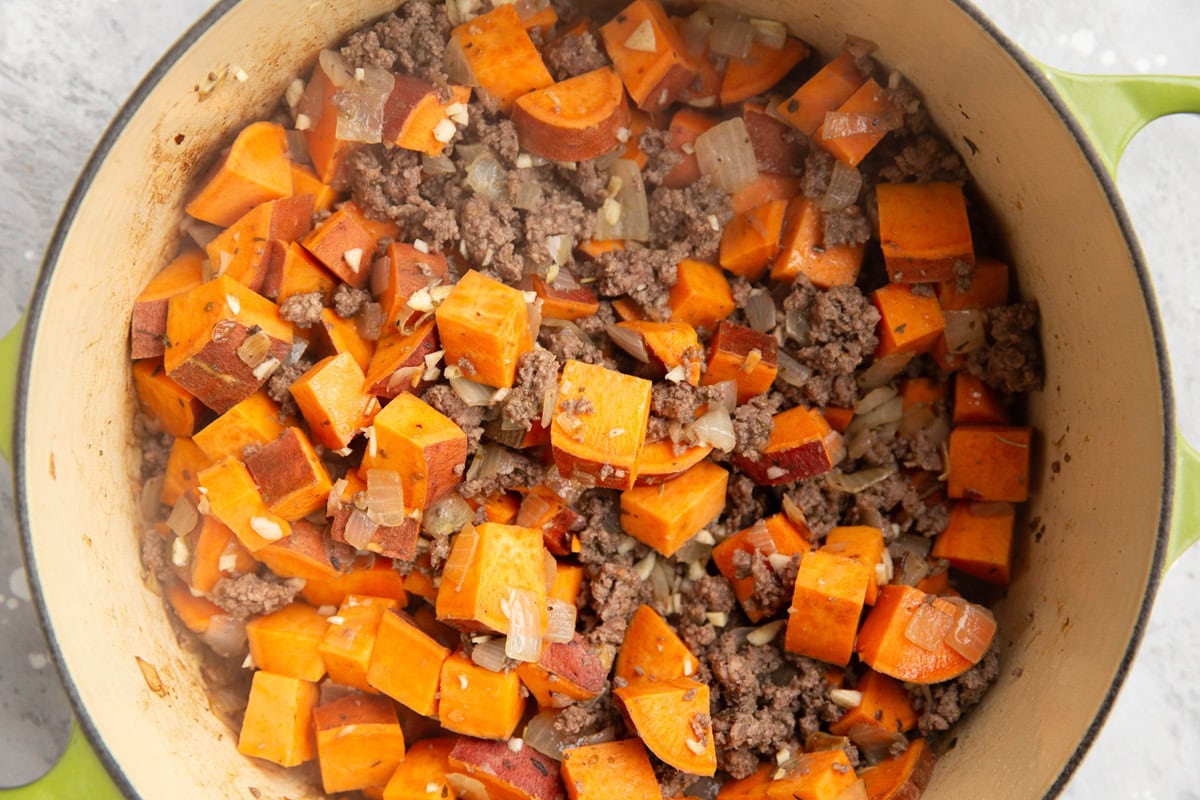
[[168, 60]]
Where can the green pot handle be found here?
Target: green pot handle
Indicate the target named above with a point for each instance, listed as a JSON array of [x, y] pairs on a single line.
[[1112, 109], [78, 775]]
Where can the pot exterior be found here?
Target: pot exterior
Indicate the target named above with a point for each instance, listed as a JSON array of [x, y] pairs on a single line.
[[1083, 575]]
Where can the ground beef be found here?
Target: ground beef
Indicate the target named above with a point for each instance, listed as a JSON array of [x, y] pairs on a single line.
[[578, 720], [671, 782], [156, 446], [743, 504], [555, 217], [753, 422], [822, 506], [567, 345], [387, 183], [660, 159], [568, 56], [469, 418], [946, 702], [585, 179], [1012, 361], [645, 275], [895, 500], [516, 470], [836, 332], [412, 40], [601, 537], [498, 134], [491, 232], [923, 158], [348, 301], [846, 226], [282, 379], [677, 401], [818, 168], [615, 594], [156, 557], [682, 220], [250, 596], [768, 595], [303, 310], [537, 371]]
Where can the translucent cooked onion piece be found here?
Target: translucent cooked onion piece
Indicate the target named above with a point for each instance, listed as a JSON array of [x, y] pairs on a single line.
[[472, 393], [183, 517], [385, 497], [486, 177], [715, 428], [359, 530], [524, 642], [625, 214], [929, 627], [844, 185], [561, 625], [856, 482], [457, 67], [760, 539], [629, 341], [725, 155], [724, 395], [973, 630], [769, 33], [760, 310], [696, 30], [462, 553], [874, 399], [335, 68], [542, 737], [360, 105], [225, 635], [490, 655], [964, 331], [791, 371], [731, 37], [883, 369], [447, 516], [465, 787]]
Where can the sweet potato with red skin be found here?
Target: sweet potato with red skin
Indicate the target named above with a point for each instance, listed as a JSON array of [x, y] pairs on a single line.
[[506, 775], [743, 355], [989, 462], [659, 462], [760, 70], [777, 149], [501, 56], [206, 326], [654, 77], [398, 363], [422, 444], [802, 250], [825, 91], [251, 423], [485, 323], [902, 777], [148, 324], [345, 243], [564, 297], [545, 511], [164, 401], [883, 644], [414, 109], [254, 170], [234, 499], [585, 442], [292, 270], [686, 127], [801, 445], [393, 541], [306, 554], [569, 668], [241, 250], [576, 119], [408, 271], [923, 230], [359, 742], [611, 769]]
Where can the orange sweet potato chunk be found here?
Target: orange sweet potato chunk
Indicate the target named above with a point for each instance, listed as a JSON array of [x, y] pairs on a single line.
[[251, 423], [649, 54], [285, 642], [826, 604], [345, 242], [502, 57], [330, 396], [751, 239], [652, 650], [335, 335], [233, 498], [672, 719], [701, 296], [978, 540], [408, 271], [415, 110], [183, 467], [923, 230], [901, 777], [291, 476], [564, 297], [599, 424], [990, 462], [885, 705], [484, 328], [486, 563], [669, 514], [801, 445], [278, 722], [422, 773], [823, 775], [216, 553], [350, 639], [825, 91], [478, 702], [291, 270], [243, 250], [908, 322], [148, 324], [860, 543], [660, 463], [803, 250], [398, 364], [570, 669], [406, 663], [612, 769], [164, 401], [786, 539], [422, 445], [743, 355], [359, 742], [206, 326], [576, 119], [256, 169], [871, 102]]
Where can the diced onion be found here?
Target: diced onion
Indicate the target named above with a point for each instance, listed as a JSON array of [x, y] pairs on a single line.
[[725, 154], [731, 37], [437, 165], [760, 310], [335, 68], [875, 743], [972, 632], [874, 399], [472, 393], [791, 371], [297, 147], [794, 513], [529, 196], [462, 552], [532, 511], [858, 46], [542, 737], [457, 67], [447, 516], [385, 497], [724, 395], [254, 348], [625, 214], [549, 569], [844, 185], [759, 538], [888, 413], [715, 428], [225, 635], [360, 104], [883, 369], [524, 642], [929, 627], [359, 530], [183, 517], [696, 30], [490, 655], [629, 341], [765, 634], [561, 625], [486, 177], [487, 462], [770, 33], [856, 482], [964, 331]]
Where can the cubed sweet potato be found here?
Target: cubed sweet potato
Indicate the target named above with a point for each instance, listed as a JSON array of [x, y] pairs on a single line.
[[667, 515], [486, 563], [241, 251], [148, 325], [505, 774], [743, 355], [291, 476], [827, 601], [406, 663], [350, 639], [612, 769], [801, 445], [164, 401], [285, 642], [477, 702], [233, 498], [398, 364], [330, 396], [570, 669], [359, 742], [278, 723], [422, 445], [253, 171], [252, 423], [484, 328]]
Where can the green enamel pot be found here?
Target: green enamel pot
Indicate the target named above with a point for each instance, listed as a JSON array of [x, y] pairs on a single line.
[[1123, 503]]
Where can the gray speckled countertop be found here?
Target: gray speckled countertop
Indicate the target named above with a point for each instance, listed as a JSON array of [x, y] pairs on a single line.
[[65, 67]]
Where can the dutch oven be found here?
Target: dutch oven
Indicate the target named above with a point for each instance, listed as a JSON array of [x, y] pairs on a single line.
[[1122, 502]]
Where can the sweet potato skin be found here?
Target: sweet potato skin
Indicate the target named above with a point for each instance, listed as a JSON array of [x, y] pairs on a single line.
[[522, 775]]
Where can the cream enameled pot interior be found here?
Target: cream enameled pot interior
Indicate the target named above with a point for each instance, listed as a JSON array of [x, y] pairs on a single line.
[[1075, 602]]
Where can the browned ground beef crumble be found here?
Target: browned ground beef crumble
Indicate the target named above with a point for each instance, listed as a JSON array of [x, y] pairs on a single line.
[[763, 699]]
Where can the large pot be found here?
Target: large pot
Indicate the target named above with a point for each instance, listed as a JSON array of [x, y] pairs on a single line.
[[1083, 585]]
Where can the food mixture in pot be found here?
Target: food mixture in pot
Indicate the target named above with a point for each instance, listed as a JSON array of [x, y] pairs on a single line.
[[541, 406]]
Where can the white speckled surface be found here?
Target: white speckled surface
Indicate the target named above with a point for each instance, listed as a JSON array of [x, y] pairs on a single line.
[[65, 67]]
